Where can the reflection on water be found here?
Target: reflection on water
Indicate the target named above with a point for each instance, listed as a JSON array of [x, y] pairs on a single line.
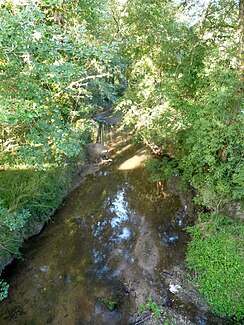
[[120, 208], [112, 239]]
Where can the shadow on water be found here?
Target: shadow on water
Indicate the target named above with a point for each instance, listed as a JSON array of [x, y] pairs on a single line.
[[113, 239]]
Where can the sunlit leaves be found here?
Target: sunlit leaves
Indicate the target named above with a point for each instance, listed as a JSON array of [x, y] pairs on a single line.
[[49, 63], [183, 92]]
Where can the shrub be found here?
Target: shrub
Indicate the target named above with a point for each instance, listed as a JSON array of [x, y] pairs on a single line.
[[215, 254]]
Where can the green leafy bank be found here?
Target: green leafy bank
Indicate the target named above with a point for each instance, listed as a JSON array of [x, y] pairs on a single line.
[[28, 200], [215, 255]]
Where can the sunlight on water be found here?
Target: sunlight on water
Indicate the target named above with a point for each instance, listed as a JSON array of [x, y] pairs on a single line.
[[120, 208]]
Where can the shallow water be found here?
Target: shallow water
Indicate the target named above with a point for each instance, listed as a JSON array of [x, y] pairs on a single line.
[[113, 238]]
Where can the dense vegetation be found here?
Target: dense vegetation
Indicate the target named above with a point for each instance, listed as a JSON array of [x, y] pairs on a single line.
[[184, 99], [217, 249], [182, 65], [184, 94], [57, 69]]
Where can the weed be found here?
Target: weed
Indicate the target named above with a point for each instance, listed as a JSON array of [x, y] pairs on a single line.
[[3, 289], [152, 306]]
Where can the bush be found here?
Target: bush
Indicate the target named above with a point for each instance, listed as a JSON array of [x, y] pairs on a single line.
[[215, 254]]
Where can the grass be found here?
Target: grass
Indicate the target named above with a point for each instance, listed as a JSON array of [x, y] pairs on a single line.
[[28, 197]]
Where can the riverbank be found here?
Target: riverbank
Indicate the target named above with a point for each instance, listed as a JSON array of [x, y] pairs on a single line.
[[29, 199], [178, 290], [215, 253]]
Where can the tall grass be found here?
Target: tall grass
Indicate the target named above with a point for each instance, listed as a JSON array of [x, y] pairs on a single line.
[[28, 197]]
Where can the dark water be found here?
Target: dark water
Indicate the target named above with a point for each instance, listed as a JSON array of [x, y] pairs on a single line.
[[114, 238]]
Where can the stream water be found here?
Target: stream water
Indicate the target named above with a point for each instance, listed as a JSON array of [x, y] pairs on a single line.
[[117, 236]]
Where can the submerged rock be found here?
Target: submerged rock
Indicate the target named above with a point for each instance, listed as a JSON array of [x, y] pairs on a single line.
[[146, 252], [96, 153]]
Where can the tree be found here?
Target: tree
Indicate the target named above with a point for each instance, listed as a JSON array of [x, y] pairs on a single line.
[[184, 99], [54, 72], [57, 68], [184, 91]]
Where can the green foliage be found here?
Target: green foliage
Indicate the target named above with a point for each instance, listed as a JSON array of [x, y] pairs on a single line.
[[184, 98], [54, 71], [215, 254], [12, 220], [152, 306], [57, 67], [3, 289], [110, 304], [183, 94], [162, 169]]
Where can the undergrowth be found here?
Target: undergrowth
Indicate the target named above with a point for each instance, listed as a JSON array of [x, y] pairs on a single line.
[[215, 254], [28, 197], [152, 306]]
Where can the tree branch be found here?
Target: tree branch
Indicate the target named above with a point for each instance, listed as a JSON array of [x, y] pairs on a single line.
[[84, 80], [80, 82]]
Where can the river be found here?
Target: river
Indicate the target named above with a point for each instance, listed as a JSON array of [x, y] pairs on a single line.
[[117, 236]]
